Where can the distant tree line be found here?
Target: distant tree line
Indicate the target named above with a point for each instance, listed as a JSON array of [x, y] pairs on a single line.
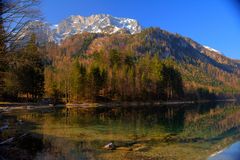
[[101, 76], [113, 76]]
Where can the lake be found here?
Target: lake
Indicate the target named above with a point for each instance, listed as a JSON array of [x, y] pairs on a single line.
[[174, 132]]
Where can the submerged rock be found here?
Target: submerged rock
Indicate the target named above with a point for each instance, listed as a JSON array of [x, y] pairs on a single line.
[[127, 147], [124, 148], [140, 147], [110, 146]]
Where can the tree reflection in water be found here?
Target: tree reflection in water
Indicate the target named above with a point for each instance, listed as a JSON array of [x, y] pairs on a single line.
[[167, 132]]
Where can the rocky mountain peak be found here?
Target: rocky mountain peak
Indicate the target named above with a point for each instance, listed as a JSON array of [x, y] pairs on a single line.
[[75, 24]]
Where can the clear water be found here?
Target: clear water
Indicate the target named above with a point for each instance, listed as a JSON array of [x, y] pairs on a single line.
[[230, 153], [185, 132]]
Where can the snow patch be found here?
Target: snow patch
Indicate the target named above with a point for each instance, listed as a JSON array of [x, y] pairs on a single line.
[[212, 49]]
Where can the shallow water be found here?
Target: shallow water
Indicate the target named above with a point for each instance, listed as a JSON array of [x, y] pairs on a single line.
[[230, 153], [146, 132]]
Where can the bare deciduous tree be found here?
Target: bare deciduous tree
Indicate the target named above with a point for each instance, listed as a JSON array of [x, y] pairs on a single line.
[[14, 16]]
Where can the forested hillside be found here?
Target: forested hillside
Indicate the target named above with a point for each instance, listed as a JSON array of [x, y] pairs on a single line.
[[151, 65]]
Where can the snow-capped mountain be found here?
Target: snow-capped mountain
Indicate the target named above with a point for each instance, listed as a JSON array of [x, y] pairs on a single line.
[[101, 23]]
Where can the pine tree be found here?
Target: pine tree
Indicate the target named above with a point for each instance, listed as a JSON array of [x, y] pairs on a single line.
[[98, 79], [30, 71], [78, 80]]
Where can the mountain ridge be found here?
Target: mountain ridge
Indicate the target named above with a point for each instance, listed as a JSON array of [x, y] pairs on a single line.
[[97, 23], [76, 24]]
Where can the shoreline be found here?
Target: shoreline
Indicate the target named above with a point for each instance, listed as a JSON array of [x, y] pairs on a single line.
[[140, 103], [30, 105], [229, 152]]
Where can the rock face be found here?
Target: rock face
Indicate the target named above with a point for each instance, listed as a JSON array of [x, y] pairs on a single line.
[[101, 23], [41, 29]]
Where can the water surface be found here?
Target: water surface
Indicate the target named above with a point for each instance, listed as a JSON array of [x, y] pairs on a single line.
[[185, 132], [230, 153]]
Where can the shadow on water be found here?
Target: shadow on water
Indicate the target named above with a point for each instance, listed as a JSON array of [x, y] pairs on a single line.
[[16, 140], [78, 133]]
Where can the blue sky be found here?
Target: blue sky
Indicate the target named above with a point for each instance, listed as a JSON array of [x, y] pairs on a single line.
[[215, 23]]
